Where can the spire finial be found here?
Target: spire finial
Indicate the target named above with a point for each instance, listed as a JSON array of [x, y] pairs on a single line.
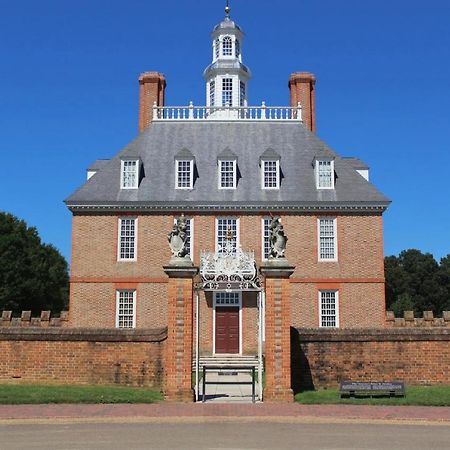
[[227, 9]]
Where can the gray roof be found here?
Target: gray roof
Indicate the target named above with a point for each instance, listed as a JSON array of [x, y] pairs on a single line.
[[227, 23], [159, 144]]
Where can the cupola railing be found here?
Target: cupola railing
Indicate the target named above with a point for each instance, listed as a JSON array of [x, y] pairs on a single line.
[[243, 113]]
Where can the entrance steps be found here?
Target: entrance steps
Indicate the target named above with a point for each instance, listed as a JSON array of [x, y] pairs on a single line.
[[227, 361]]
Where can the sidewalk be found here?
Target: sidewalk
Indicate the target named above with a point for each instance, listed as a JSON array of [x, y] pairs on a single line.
[[198, 410]]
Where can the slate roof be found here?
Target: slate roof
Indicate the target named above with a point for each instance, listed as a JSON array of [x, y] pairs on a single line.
[[158, 145]]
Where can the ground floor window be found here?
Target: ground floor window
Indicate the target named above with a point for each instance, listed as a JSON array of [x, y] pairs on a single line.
[[126, 309], [329, 309]]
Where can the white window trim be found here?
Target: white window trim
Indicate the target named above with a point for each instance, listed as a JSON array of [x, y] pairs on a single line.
[[240, 322], [118, 291], [317, 174], [335, 240], [277, 161], [238, 237], [122, 163], [220, 174], [191, 237], [336, 293], [191, 174], [263, 258], [135, 239]]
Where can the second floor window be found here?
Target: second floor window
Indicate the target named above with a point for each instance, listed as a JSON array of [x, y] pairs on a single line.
[[184, 174], [127, 239], [271, 174], [129, 174], [227, 91], [227, 228], [265, 238], [227, 174], [327, 239]]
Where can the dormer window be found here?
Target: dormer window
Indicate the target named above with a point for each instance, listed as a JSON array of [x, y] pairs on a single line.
[[227, 174], [227, 46], [129, 174], [270, 169], [184, 169], [324, 173]]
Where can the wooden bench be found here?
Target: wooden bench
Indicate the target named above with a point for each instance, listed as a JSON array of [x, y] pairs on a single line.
[[372, 389]]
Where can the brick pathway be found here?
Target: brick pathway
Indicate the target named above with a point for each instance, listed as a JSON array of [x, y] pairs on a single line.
[[191, 410]]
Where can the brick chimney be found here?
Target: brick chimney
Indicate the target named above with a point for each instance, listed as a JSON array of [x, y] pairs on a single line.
[[151, 89], [301, 85]]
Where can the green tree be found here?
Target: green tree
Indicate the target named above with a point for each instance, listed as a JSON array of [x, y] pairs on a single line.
[[33, 276]]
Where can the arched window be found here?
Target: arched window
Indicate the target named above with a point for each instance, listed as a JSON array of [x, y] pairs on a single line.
[[227, 46], [237, 44]]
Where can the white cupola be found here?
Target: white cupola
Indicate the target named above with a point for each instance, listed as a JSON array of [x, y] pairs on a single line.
[[226, 77]]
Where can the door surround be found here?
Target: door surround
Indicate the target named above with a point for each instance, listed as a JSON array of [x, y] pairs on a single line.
[[238, 294]]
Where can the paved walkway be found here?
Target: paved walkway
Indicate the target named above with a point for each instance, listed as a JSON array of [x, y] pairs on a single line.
[[197, 411]]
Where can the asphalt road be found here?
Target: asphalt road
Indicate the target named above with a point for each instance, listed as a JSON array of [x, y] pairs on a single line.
[[231, 435]]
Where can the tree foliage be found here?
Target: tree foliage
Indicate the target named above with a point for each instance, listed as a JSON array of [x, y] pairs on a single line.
[[415, 281], [33, 276]]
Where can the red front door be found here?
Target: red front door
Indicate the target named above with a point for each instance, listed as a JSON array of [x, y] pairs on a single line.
[[227, 329]]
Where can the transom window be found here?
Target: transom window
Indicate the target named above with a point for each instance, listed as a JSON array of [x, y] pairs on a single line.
[[127, 239], [328, 307], [327, 240], [126, 309], [227, 91], [271, 174], [227, 46], [227, 174], [227, 298], [227, 227], [129, 174], [190, 236], [325, 174], [212, 93], [265, 238], [184, 174]]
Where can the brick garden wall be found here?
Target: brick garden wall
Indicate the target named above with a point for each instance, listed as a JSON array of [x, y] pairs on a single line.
[[82, 356], [323, 358]]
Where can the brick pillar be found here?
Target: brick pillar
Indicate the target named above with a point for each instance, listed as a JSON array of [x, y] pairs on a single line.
[[301, 86], [178, 367], [278, 335], [152, 87]]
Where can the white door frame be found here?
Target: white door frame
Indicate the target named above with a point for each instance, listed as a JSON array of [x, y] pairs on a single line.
[[240, 319]]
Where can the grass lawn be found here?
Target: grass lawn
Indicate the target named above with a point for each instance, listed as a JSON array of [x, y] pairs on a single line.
[[15, 394], [415, 395]]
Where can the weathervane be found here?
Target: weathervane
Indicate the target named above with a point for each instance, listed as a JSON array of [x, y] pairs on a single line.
[[227, 9]]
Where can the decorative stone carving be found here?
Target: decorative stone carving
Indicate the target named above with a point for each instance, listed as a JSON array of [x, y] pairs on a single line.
[[178, 243], [277, 239]]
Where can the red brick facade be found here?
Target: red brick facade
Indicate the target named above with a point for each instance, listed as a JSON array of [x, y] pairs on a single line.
[[152, 87], [301, 86]]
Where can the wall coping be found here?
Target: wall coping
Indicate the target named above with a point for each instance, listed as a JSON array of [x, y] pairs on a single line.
[[372, 334], [82, 334]]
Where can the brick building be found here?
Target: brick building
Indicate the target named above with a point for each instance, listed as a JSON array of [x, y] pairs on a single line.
[[227, 168]]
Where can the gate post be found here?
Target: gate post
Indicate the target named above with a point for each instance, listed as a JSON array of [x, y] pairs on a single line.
[[178, 366], [278, 339]]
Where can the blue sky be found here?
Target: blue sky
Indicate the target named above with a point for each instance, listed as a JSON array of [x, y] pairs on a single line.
[[69, 92]]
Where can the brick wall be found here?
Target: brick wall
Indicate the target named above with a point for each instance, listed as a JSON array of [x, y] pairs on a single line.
[[323, 358], [82, 356]]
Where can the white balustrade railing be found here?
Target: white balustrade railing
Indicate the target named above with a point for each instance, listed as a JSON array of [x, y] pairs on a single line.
[[263, 112]]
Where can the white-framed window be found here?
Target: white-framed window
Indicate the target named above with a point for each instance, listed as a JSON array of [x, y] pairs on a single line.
[[227, 174], [242, 93], [217, 48], [325, 174], [224, 225], [265, 249], [190, 235], [184, 176], [237, 45], [327, 235], [126, 309], [129, 174], [127, 239], [227, 298], [227, 46], [329, 309], [227, 91], [270, 174], [212, 93]]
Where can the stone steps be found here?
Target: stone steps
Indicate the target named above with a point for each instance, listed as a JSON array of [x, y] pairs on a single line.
[[227, 360]]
